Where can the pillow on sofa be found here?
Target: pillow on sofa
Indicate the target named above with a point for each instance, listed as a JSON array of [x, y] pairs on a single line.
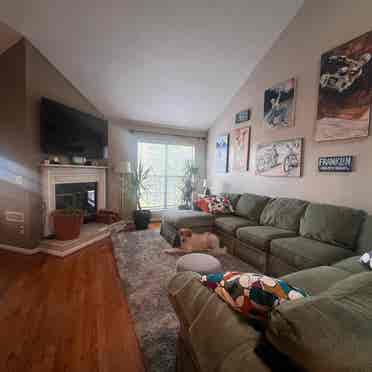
[[253, 295], [250, 206], [332, 224], [215, 205], [366, 259], [234, 198], [284, 213]]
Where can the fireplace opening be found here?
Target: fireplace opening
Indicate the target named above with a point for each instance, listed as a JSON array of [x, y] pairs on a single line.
[[78, 195]]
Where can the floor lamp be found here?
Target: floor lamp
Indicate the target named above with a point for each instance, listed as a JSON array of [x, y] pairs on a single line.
[[124, 169]]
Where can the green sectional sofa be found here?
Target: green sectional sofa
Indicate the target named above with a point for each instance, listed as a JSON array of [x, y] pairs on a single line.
[[312, 246], [278, 236]]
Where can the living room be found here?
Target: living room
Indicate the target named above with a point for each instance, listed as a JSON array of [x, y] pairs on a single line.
[[185, 187]]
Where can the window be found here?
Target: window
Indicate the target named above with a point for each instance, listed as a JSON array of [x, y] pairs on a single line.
[[167, 164]]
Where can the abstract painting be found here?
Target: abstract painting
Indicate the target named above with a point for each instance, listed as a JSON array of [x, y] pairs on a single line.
[[280, 158], [345, 91], [222, 153], [279, 105], [239, 155]]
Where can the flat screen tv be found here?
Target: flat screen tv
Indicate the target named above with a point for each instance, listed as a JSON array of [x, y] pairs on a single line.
[[66, 131]]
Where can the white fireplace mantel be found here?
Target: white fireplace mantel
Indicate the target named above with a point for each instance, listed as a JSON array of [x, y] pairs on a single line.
[[53, 174]]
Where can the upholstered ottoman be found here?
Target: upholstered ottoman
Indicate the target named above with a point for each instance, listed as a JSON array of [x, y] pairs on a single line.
[[200, 263], [174, 220]]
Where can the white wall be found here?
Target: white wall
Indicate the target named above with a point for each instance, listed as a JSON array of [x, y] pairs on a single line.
[[319, 26]]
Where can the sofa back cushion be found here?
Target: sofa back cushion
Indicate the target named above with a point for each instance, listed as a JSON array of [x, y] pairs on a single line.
[[250, 206], [364, 242], [284, 213], [328, 332], [332, 224]]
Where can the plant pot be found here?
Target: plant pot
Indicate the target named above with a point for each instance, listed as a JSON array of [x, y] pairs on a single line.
[[142, 219], [67, 226]]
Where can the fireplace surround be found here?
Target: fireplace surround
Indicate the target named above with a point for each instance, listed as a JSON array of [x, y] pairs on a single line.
[[72, 186]]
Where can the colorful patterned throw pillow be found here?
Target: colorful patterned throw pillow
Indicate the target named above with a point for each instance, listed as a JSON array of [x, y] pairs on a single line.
[[366, 259], [215, 205], [253, 295]]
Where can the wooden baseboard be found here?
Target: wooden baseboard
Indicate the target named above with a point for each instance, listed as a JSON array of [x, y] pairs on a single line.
[[15, 249]]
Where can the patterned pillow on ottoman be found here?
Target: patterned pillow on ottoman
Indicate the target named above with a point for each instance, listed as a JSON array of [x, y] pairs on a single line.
[[253, 295]]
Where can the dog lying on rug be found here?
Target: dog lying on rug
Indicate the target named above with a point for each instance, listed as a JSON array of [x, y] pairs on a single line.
[[192, 243]]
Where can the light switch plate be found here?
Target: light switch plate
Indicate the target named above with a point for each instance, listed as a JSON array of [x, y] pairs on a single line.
[[19, 180]]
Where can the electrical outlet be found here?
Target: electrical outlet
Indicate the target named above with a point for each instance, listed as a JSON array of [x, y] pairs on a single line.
[[19, 180]]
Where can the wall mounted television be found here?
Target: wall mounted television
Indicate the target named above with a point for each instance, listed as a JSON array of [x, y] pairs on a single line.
[[70, 132]]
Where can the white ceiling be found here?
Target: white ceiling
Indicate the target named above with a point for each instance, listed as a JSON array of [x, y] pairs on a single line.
[[164, 61]]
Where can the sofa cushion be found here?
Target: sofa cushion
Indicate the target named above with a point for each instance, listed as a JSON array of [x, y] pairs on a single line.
[[261, 236], [188, 219], [305, 253], [329, 332], [316, 279], [234, 198], [230, 224], [364, 242], [251, 206], [351, 265], [331, 224], [284, 213]]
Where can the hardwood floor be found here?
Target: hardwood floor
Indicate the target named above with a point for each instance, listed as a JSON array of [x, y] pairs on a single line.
[[65, 315]]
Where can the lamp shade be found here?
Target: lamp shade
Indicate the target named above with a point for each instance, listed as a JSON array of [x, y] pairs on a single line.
[[123, 167]]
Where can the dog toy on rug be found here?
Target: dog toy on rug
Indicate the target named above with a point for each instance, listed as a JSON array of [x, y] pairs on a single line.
[[191, 243]]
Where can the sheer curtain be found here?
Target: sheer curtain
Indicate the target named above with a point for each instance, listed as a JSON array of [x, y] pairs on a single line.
[[167, 163]]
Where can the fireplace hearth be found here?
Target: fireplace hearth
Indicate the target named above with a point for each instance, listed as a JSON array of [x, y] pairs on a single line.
[[80, 196]]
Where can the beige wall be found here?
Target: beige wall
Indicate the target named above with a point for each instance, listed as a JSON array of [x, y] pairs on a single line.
[[26, 76], [319, 26], [123, 146]]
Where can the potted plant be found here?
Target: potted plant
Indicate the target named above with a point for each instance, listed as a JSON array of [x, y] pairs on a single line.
[[67, 223], [139, 179], [189, 185]]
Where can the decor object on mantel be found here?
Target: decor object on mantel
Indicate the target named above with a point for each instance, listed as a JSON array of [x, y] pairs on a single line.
[[67, 223], [139, 182], [240, 141], [343, 163], [125, 170], [189, 185], [222, 153], [280, 158], [345, 91], [242, 116], [279, 105]]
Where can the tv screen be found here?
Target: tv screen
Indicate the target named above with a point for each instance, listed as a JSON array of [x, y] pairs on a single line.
[[66, 131]]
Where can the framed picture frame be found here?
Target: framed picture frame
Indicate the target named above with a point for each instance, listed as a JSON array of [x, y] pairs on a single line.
[[222, 153], [239, 149], [280, 158], [335, 164], [243, 116]]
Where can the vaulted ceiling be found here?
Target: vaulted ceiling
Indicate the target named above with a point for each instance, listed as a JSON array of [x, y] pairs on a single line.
[[169, 62]]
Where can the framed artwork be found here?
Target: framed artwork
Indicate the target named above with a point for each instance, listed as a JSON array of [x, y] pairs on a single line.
[[280, 158], [341, 163], [279, 105], [345, 91], [222, 153], [239, 149], [242, 116]]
